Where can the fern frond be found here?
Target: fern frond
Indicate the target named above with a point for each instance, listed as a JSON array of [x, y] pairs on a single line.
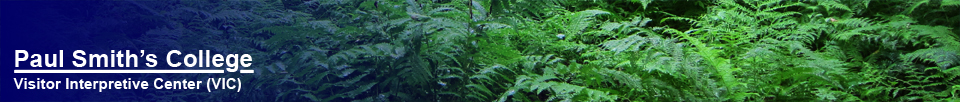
[[563, 91], [358, 90], [831, 4], [533, 61], [855, 22], [940, 34], [950, 3], [643, 3], [321, 2], [611, 26], [631, 43], [758, 52], [329, 26], [915, 5], [778, 7], [416, 75], [630, 80], [856, 32], [732, 3], [349, 82], [945, 56], [581, 20], [693, 22]]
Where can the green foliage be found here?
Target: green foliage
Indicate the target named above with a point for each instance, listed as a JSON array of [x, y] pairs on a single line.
[[941, 56], [576, 22], [583, 50], [950, 3]]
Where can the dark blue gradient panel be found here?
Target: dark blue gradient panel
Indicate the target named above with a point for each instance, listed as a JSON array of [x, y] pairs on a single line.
[[45, 28]]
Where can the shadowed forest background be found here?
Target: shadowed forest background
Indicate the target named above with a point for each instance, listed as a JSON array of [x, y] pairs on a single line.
[[553, 50]]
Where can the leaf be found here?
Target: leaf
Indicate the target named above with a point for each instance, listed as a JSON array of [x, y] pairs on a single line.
[[915, 5], [630, 80], [358, 90], [643, 3], [328, 25], [631, 43], [944, 57], [581, 20], [311, 97], [834, 5], [950, 3], [480, 88]]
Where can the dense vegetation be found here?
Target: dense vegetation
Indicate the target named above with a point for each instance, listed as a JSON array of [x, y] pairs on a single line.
[[571, 50]]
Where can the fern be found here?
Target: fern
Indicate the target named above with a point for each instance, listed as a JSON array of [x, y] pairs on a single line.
[[915, 5], [944, 57], [630, 80], [643, 3], [831, 4], [329, 26], [509, 50], [535, 61], [560, 91], [949, 3], [631, 43], [940, 35], [232, 14], [576, 22], [626, 27]]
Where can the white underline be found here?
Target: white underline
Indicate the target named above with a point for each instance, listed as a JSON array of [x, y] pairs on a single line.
[[246, 71], [127, 71]]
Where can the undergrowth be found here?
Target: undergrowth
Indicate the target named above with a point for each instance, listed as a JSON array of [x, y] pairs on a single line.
[[577, 50]]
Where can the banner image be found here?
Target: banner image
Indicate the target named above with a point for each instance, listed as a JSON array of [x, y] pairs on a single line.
[[480, 50]]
